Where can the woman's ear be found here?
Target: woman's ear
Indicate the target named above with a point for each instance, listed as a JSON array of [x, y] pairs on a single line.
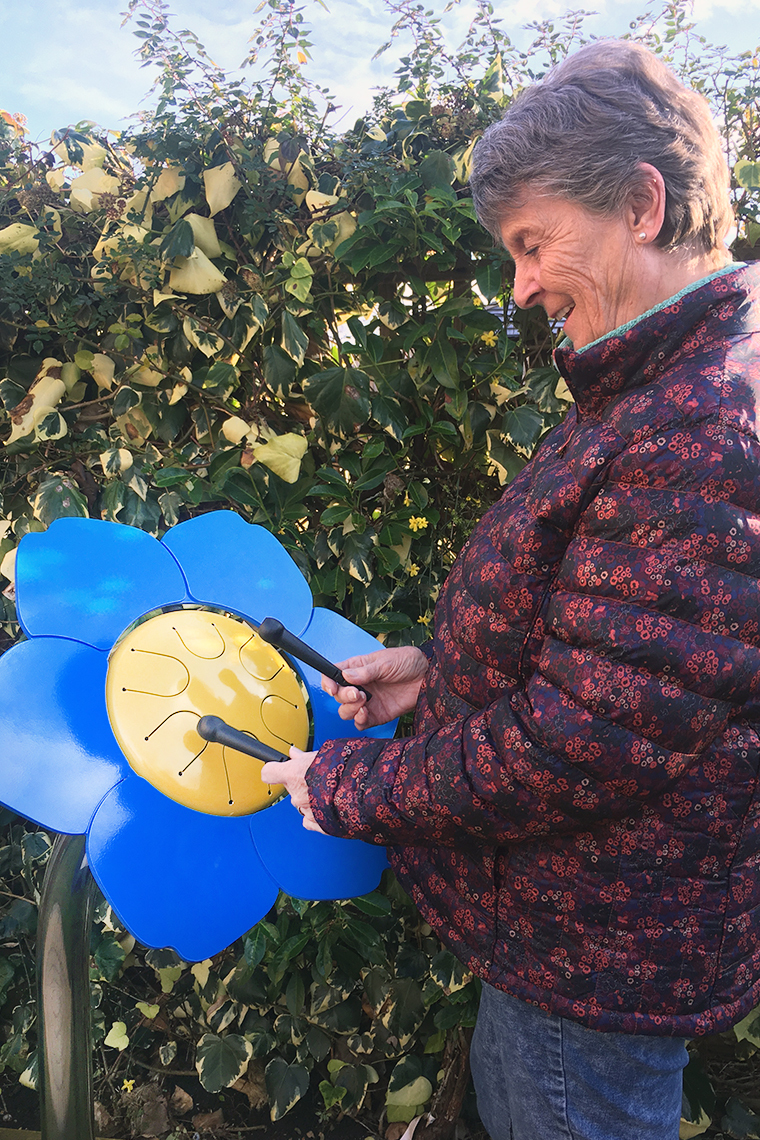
[[645, 211]]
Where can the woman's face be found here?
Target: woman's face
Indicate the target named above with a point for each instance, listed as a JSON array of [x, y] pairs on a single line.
[[583, 269]]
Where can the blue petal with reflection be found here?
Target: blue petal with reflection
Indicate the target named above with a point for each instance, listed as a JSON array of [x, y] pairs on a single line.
[[174, 876], [58, 755], [309, 865], [88, 580], [241, 567]]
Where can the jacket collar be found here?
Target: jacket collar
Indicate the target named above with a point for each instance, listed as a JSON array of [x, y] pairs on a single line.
[[635, 355]]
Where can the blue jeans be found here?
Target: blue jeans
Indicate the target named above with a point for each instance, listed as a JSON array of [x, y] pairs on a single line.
[[542, 1077]]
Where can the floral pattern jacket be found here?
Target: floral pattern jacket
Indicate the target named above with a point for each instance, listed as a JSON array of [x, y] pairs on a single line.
[[578, 812]]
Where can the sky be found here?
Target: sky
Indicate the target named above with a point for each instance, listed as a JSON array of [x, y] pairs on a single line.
[[70, 60]]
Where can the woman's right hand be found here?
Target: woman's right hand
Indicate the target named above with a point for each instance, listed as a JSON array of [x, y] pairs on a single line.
[[392, 676]]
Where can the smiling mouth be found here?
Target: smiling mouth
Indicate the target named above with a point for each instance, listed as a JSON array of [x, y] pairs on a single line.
[[563, 314]]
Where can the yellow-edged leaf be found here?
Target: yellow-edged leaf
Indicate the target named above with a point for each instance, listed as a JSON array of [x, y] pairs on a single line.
[[170, 180], [196, 274], [318, 202], [206, 342], [283, 455], [19, 238], [102, 370], [235, 429], [150, 371], [221, 185], [87, 189], [8, 565], [43, 398], [204, 233]]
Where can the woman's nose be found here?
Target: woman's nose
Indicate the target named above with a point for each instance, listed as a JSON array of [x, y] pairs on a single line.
[[526, 290]]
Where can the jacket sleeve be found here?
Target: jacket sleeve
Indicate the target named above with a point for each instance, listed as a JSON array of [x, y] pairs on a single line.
[[650, 648]]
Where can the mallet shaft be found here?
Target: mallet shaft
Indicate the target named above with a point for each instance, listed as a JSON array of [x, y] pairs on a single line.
[[275, 633], [217, 731]]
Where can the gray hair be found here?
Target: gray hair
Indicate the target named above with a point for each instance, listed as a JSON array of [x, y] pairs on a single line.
[[583, 131]]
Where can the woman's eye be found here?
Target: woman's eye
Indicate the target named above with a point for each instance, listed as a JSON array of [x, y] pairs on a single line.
[[532, 251]]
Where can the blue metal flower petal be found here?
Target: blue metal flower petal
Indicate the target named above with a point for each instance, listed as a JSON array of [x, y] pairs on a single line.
[[88, 580], [240, 567], [58, 755], [176, 877], [336, 638], [308, 865]]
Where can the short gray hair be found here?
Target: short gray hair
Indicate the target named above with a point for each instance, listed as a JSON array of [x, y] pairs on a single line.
[[582, 132]]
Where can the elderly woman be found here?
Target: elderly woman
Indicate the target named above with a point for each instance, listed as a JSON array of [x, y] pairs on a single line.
[[577, 813]]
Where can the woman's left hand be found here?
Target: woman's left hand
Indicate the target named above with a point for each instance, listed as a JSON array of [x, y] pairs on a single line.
[[292, 773]]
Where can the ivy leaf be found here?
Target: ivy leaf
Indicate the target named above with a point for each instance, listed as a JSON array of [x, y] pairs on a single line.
[[279, 370], [504, 458], [522, 426], [739, 1122], [331, 1094], [541, 383], [286, 1084], [408, 1090], [341, 397], [167, 1053], [109, 957], [492, 85], [52, 426], [356, 558], [117, 1036], [259, 1033], [179, 241], [404, 1013], [148, 1009], [748, 174], [355, 1080], [126, 400], [20, 919], [294, 339], [749, 1028], [170, 503], [58, 497], [220, 1061], [318, 1043], [221, 379], [437, 170], [221, 185], [448, 972]]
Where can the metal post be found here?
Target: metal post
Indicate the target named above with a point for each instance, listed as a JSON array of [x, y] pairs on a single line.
[[63, 987]]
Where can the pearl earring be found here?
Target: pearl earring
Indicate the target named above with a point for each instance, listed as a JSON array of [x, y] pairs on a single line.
[[642, 237]]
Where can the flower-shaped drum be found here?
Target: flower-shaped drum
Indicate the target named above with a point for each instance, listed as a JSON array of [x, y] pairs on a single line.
[[130, 642]]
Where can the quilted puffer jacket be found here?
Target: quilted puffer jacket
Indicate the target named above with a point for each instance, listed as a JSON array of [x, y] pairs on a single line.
[[578, 814]]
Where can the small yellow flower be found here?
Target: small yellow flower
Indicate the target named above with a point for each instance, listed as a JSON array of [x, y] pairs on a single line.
[[489, 338], [425, 620], [127, 1086], [413, 570], [416, 523]]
